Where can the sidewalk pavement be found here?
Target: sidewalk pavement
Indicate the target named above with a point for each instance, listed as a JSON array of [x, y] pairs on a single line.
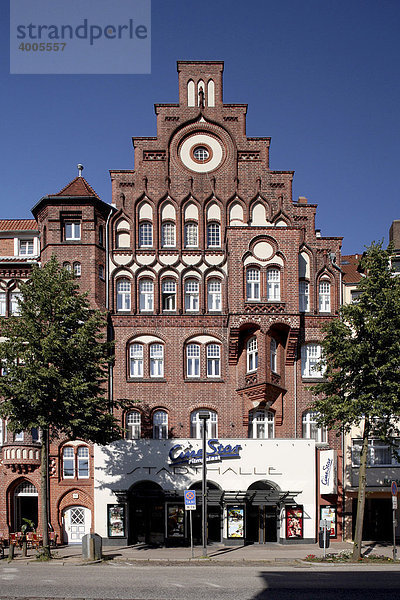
[[216, 553]]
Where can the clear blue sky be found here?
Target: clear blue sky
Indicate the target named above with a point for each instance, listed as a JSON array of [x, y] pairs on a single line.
[[321, 77]]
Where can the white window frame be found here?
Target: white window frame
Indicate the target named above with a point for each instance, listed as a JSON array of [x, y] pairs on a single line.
[[310, 429], [19, 436], [3, 304], [82, 457], [191, 234], [379, 453], [123, 295], [273, 285], [146, 295], [261, 424], [193, 360], [324, 296], [160, 425], [213, 355], [72, 230], [192, 295], [136, 360], [146, 234], [196, 424], [304, 296], [168, 295], [253, 284], [26, 247], [214, 295], [77, 269], [133, 425], [71, 458], [168, 235], [213, 235], [15, 298], [252, 354], [156, 360], [310, 357]]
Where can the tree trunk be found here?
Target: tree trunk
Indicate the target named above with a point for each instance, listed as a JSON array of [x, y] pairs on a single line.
[[361, 494], [45, 493]]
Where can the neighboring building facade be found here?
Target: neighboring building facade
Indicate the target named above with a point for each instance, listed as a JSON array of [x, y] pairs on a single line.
[[217, 286]]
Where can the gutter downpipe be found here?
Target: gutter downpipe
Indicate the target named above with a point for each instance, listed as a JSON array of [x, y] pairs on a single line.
[[110, 367]]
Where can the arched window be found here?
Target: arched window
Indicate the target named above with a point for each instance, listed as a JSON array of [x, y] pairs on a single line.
[[191, 235], [252, 354], [310, 429], [253, 284], [156, 360], [67, 265], [168, 295], [324, 296], [191, 93], [123, 295], [83, 462], [145, 235], [168, 235], [274, 355], [196, 424], [310, 357], [213, 360], [261, 424], [213, 235], [146, 295], [214, 295], [193, 360], [68, 462], [191, 295], [211, 93], [136, 360], [304, 296], [273, 285], [77, 269], [160, 425], [133, 425]]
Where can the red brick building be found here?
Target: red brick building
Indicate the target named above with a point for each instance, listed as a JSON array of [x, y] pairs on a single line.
[[217, 284]]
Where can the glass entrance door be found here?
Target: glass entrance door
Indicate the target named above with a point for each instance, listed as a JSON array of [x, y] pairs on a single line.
[[261, 524]]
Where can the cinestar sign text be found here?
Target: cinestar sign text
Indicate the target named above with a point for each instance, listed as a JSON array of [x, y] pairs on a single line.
[[178, 455]]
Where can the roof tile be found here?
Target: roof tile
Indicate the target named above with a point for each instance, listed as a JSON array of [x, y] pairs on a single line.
[[18, 225], [77, 187]]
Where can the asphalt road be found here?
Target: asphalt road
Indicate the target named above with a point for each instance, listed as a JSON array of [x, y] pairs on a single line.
[[175, 582]]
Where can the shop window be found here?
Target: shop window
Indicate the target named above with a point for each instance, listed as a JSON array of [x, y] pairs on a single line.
[[273, 285], [193, 360], [77, 269], [191, 295], [253, 284], [252, 354], [304, 296], [133, 422], [146, 295], [26, 248], [214, 296], [168, 235], [213, 235], [168, 299], [310, 428], [273, 355], [68, 462], [213, 360], [83, 462], [324, 296], [261, 424], [145, 235], [196, 424], [123, 295], [310, 358], [156, 360], [160, 425], [72, 231], [136, 360], [191, 235]]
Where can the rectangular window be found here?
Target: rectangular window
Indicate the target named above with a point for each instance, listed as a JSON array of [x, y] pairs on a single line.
[[191, 295], [83, 462], [214, 295], [25, 247], [2, 304], [273, 285], [253, 284], [19, 436], [145, 235], [156, 360], [310, 358], [146, 295], [191, 235], [213, 360], [213, 235], [193, 360], [168, 295], [15, 298], [136, 360], [168, 235], [379, 454], [304, 296], [325, 296], [68, 463], [72, 230]]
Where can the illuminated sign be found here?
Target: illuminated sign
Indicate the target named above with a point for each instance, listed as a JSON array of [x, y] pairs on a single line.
[[217, 452]]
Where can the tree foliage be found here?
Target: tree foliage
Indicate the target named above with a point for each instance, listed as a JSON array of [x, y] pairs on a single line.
[[55, 360]]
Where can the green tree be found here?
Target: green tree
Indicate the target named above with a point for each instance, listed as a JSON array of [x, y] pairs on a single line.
[[55, 363], [361, 358]]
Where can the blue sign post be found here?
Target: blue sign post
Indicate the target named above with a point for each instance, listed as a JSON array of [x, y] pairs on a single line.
[[190, 504]]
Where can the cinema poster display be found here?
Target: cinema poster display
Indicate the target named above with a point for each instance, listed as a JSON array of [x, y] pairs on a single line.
[[176, 521], [116, 520], [329, 513], [235, 520], [294, 522]]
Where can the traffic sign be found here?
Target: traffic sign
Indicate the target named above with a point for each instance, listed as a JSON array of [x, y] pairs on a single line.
[[394, 488], [394, 502], [190, 499]]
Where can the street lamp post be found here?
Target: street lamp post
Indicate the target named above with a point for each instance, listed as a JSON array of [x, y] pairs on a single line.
[[204, 416]]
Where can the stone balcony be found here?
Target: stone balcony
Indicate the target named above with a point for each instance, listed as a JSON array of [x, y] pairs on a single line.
[[21, 458]]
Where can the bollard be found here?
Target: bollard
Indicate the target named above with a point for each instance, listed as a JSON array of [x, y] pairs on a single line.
[[92, 546]]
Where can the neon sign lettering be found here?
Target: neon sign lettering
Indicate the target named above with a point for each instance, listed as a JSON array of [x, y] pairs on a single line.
[[178, 455]]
